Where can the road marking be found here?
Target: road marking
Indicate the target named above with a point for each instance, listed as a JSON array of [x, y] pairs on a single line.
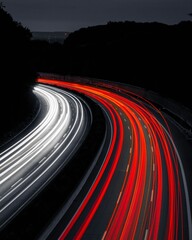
[[149, 135], [130, 137], [119, 197], [16, 182], [130, 151], [56, 145], [152, 195], [52, 151], [152, 148], [125, 120], [145, 126], [64, 135], [104, 235], [43, 159], [146, 234], [127, 169], [128, 127]]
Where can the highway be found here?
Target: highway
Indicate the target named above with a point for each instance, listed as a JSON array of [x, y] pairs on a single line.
[[140, 190], [37, 156]]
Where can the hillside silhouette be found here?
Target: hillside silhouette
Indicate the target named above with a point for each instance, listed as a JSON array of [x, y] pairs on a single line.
[[152, 55], [155, 56], [17, 74]]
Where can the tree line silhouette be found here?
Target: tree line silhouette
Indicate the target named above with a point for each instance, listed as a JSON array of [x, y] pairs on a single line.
[[153, 55], [16, 73]]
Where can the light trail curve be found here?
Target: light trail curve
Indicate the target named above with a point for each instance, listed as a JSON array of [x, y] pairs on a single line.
[[30, 163], [140, 191]]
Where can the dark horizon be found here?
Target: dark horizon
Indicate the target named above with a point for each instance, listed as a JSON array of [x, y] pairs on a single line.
[[104, 24], [46, 16]]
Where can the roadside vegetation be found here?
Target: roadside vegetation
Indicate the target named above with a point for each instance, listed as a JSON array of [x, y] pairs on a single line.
[[18, 104], [151, 55]]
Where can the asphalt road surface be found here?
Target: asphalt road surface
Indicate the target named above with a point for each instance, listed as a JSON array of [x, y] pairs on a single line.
[[29, 164], [140, 190]]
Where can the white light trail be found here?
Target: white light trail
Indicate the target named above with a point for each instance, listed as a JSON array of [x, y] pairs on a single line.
[[41, 152]]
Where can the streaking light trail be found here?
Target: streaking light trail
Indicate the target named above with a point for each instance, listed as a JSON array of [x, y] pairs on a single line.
[[28, 164], [140, 191]]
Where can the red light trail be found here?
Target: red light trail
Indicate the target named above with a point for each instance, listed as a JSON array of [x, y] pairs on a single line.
[[150, 203]]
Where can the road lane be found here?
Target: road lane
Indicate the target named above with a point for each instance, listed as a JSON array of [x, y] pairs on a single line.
[[147, 197], [30, 163]]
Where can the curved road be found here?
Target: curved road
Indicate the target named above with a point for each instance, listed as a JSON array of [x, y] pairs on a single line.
[[28, 164], [140, 191]]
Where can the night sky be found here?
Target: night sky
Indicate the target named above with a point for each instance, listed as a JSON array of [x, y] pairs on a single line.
[[70, 15]]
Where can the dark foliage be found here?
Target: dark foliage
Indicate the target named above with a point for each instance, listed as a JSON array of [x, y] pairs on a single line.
[[152, 55], [17, 74], [47, 57]]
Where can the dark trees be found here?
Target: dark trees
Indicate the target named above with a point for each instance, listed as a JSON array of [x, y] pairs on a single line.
[[152, 55], [16, 72]]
